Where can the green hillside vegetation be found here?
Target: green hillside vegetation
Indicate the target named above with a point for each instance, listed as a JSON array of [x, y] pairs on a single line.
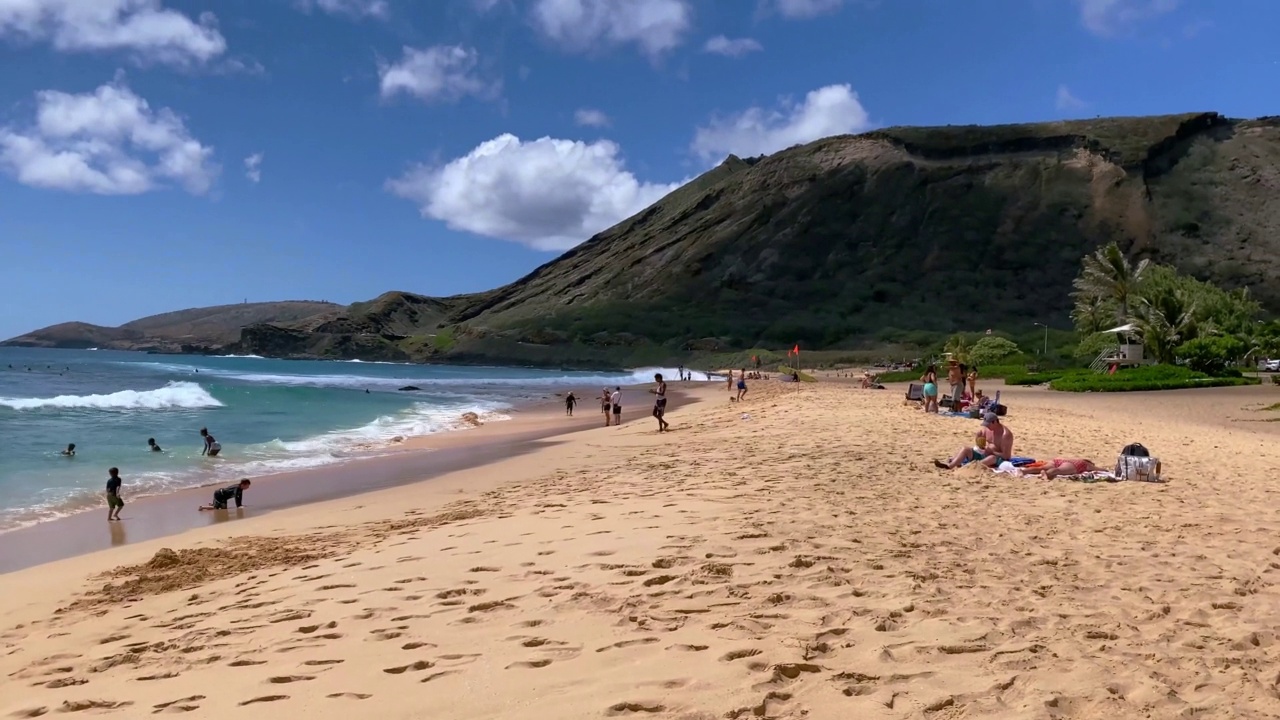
[[879, 245]]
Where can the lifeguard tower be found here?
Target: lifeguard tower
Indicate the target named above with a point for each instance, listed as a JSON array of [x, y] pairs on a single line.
[[1126, 351]]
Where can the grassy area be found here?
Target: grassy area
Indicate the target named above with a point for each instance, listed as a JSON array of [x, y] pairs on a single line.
[[1151, 377], [804, 377]]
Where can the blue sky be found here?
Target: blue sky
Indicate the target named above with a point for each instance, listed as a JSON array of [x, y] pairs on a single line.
[[164, 154]]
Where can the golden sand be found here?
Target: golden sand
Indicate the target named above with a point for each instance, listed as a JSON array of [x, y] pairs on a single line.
[[792, 556]]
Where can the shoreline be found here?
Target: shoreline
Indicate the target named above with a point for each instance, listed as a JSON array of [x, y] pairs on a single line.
[[532, 425]]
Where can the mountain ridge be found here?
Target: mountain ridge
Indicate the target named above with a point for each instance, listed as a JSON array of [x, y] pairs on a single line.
[[853, 239]]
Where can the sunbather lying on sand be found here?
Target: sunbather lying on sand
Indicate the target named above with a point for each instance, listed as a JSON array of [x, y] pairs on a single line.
[[1067, 466]]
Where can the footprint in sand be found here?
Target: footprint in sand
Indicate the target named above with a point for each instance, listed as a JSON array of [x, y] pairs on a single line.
[[484, 568], [185, 704], [739, 654], [688, 648], [414, 666], [529, 664], [286, 679], [69, 706], [349, 696], [323, 662], [264, 698], [628, 643], [628, 708], [246, 663]]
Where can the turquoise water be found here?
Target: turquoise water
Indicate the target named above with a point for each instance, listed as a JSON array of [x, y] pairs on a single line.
[[269, 415]]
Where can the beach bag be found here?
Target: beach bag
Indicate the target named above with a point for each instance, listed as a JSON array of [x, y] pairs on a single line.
[[1139, 468]]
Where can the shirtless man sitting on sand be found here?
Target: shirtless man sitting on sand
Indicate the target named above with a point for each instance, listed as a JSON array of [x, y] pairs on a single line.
[[999, 446]]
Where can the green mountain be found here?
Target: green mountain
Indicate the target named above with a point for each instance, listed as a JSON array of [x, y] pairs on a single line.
[[851, 240]]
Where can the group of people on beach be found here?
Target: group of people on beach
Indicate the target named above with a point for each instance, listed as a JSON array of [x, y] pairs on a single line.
[[963, 381], [993, 442], [221, 497], [611, 403]]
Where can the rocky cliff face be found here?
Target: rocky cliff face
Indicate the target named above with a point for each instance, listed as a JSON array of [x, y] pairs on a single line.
[[850, 237]]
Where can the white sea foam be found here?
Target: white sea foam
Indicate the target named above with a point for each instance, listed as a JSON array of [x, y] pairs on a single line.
[[172, 395], [634, 377]]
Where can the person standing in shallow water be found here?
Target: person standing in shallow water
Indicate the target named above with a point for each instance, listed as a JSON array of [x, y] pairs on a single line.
[[660, 402], [211, 446], [114, 502]]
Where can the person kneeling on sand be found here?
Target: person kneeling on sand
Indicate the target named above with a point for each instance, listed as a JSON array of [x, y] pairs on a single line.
[[1067, 466], [998, 447], [222, 496]]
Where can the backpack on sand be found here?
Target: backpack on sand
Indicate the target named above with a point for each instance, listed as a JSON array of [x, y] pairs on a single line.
[[1135, 463]]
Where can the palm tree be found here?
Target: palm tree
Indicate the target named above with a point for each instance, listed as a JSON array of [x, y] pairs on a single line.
[[1108, 275], [1091, 312], [1166, 322]]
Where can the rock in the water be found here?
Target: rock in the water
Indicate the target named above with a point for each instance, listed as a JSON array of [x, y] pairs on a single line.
[[407, 388], [471, 419]]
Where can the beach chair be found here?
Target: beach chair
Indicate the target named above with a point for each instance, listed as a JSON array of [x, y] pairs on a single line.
[[915, 392]]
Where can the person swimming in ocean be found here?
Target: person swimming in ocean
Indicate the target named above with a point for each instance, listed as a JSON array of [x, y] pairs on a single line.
[[70, 451], [222, 496], [211, 446], [151, 443]]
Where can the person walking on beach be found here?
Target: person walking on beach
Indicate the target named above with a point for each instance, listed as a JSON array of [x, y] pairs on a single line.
[[660, 402], [742, 384], [151, 444], [955, 377], [615, 402], [569, 402], [211, 446], [114, 502], [222, 496], [605, 406], [70, 451]]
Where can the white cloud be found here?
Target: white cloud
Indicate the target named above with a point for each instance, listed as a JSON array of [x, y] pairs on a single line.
[[350, 8], [655, 26], [443, 72], [151, 32], [587, 117], [1109, 17], [253, 168], [830, 110], [731, 47], [1067, 101], [548, 194], [803, 9], [108, 142]]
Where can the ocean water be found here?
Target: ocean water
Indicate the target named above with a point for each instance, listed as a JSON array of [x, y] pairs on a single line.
[[269, 415]]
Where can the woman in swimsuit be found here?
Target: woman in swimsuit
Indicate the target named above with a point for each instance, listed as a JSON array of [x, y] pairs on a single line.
[[973, 381], [930, 380], [660, 402], [211, 446], [1067, 466]]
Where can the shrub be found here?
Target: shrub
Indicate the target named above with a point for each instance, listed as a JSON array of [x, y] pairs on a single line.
[[1211, 355], [991, 349], [1150, 377]]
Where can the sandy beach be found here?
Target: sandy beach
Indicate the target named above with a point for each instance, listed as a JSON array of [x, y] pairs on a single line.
[[793, 556]]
